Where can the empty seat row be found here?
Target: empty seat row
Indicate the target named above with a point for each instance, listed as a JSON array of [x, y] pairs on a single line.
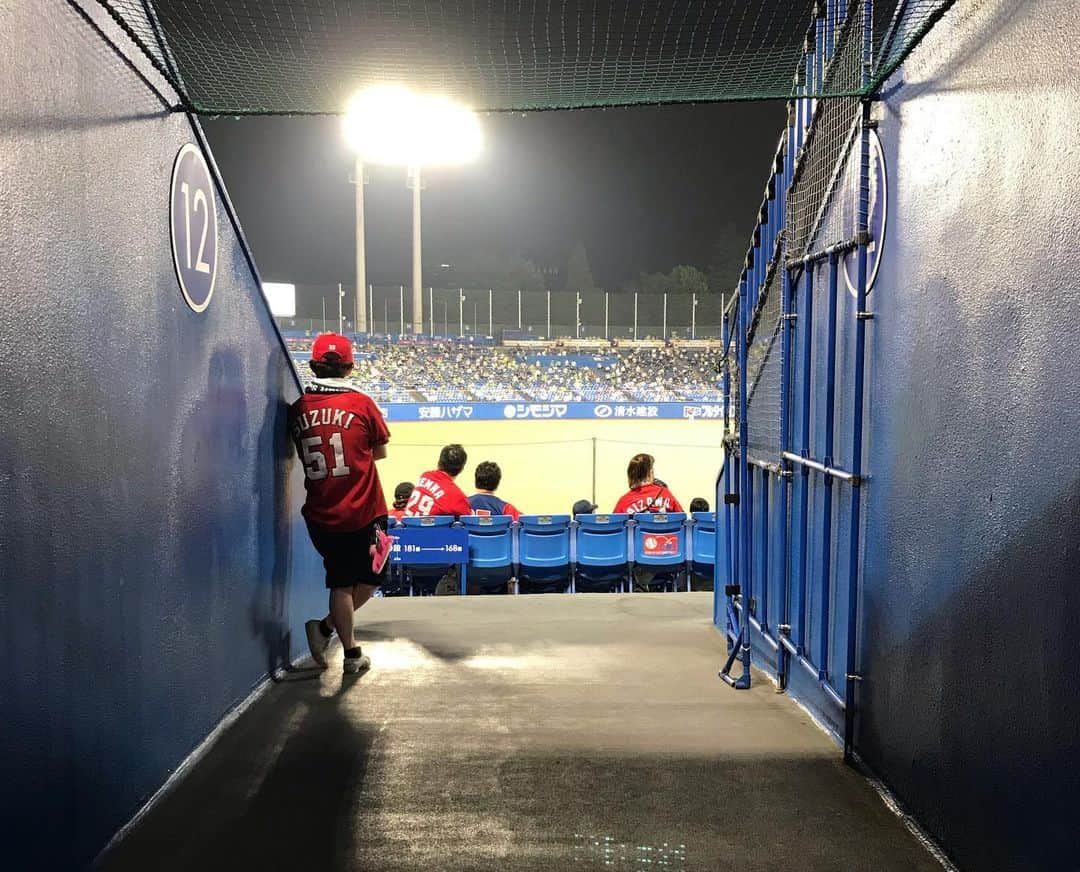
[[555, 553]]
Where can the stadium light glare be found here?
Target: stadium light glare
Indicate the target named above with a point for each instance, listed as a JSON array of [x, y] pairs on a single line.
[[389, 124], [281, 297]]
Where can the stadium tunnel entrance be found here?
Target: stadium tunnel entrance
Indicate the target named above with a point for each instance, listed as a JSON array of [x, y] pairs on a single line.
[[157, 573]]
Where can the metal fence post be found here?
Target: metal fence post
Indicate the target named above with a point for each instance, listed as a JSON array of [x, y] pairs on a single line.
[[851, 666]]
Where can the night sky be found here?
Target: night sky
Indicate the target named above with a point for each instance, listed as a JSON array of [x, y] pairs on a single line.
[[643, 189]]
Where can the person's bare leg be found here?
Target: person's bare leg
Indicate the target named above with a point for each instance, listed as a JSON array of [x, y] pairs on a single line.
[[361, 593], [341, 614]]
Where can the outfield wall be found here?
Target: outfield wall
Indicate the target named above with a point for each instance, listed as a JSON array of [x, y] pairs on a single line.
[[153, 570], [548, 465]]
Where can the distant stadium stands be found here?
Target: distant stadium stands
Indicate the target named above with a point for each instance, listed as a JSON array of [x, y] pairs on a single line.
[[451, 371]]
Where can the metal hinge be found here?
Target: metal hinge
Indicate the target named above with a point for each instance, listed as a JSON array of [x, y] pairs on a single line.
[[864, 316]]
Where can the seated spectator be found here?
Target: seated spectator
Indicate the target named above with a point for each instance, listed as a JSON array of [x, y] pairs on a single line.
[[583, 507], [401, 497], [484, 502], [699, 504], [647, 493], [436, 493]]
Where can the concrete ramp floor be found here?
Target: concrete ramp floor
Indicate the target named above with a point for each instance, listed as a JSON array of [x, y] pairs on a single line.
[[524, 733]]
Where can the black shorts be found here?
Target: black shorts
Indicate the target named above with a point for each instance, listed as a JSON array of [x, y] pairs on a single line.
[[346, 556]]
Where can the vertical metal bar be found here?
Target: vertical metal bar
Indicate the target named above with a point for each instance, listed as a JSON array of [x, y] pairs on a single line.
[[371, 307], [664, 328], [431, 309], [606, 336], [693, 316], [783, 482], [806, 319], [763, 605], [819, 49], [808, 88], [361, 264], [417, 257], [594, 470], [851, 666], [340, 314], [635, 314], [744, 483], [461, 312], [547, 335], [823, 638], [519, 309], [401, 309], [491, 324]]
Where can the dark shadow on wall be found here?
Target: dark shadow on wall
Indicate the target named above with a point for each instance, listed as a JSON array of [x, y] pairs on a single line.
[[273, 513], [980, 733], [941, 69], [969, 707]]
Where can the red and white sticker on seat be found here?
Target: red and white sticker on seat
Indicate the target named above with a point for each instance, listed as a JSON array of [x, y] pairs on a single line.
[[660, 544]]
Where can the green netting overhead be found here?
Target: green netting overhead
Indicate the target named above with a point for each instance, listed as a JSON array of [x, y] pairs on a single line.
[[309, 56]]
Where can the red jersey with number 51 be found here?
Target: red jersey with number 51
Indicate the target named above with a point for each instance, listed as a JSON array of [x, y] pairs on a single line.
[[335, 428]]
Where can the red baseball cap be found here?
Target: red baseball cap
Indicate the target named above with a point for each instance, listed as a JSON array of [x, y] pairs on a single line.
[[331, 348]]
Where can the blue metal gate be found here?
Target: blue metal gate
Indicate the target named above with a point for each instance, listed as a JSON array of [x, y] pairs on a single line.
[[790, 491]]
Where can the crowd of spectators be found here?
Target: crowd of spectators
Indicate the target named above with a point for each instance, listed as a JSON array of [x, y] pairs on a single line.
[[448, 371]]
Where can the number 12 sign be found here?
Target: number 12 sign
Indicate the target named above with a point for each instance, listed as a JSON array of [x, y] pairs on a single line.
[[194, 227]]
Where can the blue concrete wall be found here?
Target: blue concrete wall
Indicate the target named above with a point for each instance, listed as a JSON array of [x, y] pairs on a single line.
[[152, 565], [970, 707]]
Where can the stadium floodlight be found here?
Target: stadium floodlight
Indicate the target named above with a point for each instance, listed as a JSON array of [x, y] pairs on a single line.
[[391, 125]]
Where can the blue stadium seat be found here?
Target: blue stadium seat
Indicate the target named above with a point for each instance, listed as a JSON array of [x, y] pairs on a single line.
[[544, 553], [603, 553], [422, 580], [491, 551], [660, 545], [703, 545]]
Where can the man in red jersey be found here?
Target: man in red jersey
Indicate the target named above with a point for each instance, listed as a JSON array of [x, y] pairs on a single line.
[[436, 493], [646, 494], [339, 434]]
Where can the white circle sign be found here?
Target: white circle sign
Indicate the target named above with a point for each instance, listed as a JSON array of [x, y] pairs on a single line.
[[193, 227]]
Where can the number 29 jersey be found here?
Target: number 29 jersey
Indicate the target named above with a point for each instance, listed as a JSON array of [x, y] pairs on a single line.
[[335, 429]]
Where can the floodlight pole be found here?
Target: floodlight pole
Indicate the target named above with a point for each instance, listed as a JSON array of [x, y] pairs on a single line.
[[416, 184], [361, 264]]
